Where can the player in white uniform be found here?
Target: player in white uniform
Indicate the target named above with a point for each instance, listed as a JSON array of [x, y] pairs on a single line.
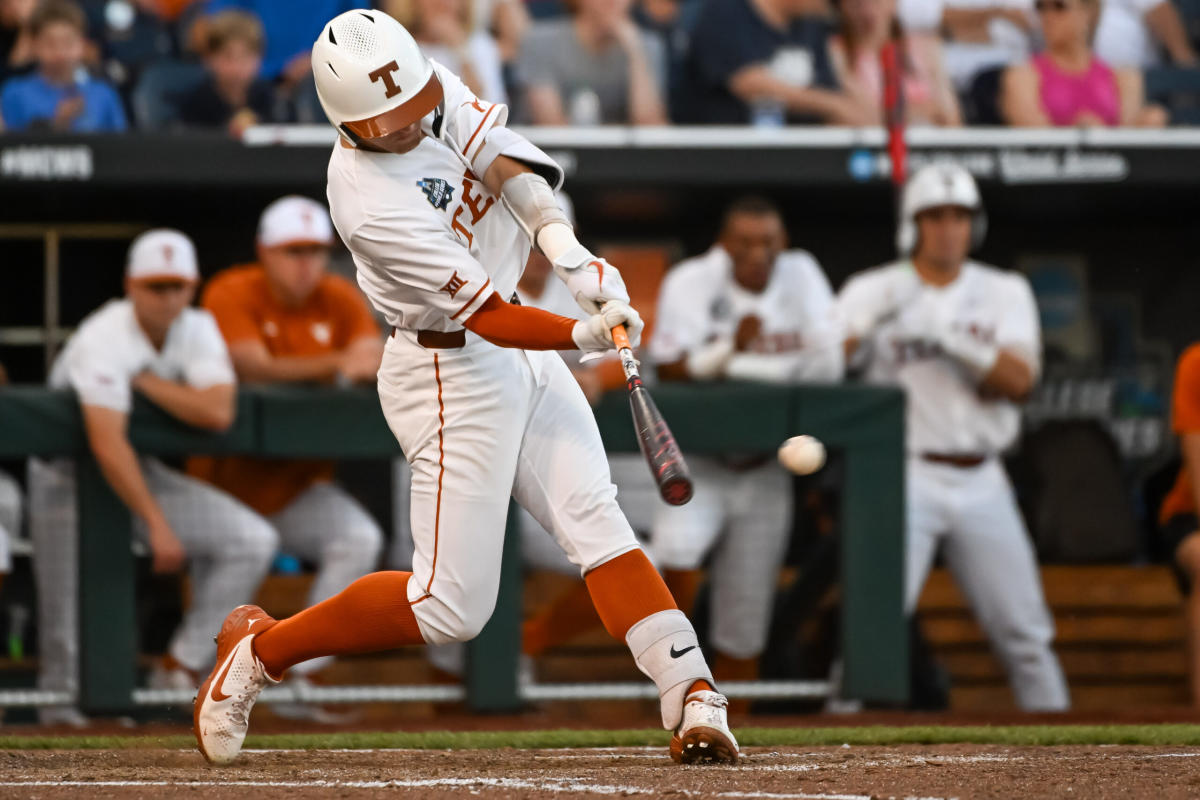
[[963, 341], [439, 203], [153, 343], [10, 520], [748, 309]]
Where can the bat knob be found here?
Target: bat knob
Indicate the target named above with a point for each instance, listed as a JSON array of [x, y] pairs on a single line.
[[676, 491]]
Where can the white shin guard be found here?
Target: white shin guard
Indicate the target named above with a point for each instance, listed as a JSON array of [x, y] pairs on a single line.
[[666, 649]]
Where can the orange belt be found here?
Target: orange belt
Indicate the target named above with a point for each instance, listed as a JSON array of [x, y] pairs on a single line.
[[440, 340]]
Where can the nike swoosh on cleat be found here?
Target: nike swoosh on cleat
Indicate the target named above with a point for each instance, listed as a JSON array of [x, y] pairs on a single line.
[[677, 653], [216, 693]]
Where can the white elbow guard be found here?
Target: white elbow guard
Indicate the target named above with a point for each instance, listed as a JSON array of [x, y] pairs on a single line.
[[532, 203]]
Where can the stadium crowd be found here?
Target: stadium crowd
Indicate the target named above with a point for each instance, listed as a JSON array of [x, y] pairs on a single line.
[[111, 65]]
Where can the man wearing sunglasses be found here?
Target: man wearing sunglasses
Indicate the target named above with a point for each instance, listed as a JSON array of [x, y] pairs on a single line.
[[150, 342]]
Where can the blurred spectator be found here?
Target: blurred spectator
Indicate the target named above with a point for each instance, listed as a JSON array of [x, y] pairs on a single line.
[[1067, 84], [962, 339], [749, 309], [507, 20], [446, 33], [16, 40], [763, 62], [1131, 33], [60, 95], [979, 34], [130, 35], [232, 96], [1178, 515], [287, 320], [866, 26], [595, 67], [291, 27], [150, 342]]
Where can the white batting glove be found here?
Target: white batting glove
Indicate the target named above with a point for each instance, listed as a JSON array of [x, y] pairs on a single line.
[[594, 334], [591, 281]]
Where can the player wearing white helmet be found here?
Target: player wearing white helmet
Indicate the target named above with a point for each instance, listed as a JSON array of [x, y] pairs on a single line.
[[963, 341], [439, 204]]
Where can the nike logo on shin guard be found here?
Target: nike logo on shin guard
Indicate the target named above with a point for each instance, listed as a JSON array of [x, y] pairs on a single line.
[[677, 653]]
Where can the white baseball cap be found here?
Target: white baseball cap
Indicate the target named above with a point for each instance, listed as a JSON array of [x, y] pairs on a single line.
[[292, 220], [162, 254]]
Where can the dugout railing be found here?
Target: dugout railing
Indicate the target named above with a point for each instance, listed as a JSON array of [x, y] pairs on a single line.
[[864, 423]]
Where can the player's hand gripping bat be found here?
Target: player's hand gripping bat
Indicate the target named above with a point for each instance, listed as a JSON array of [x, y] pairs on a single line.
[[657, 442]]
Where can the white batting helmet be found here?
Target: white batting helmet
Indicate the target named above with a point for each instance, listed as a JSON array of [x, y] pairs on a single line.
[[371, 77], [938, 185]]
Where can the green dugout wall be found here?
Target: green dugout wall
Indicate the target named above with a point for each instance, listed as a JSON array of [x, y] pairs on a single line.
[[866, 423]]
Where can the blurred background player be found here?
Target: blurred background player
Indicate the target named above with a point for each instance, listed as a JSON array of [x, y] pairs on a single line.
[[10, 510], [1177, 517], [286, 319], [150, 342], [748, 309], [60, 95], [963, 340]]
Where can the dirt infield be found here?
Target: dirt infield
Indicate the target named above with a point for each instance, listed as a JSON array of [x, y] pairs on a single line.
[[821, 773]]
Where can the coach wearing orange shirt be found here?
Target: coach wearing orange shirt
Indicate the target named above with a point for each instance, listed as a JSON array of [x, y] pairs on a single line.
[[287, 320], [1180, 526]]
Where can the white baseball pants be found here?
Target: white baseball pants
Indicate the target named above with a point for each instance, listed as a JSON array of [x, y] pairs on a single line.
[[229, 548], [973, 514], [479, 424], [742, 518], [327, 527], [10, 519]]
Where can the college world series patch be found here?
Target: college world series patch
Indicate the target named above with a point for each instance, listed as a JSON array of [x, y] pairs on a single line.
[[437, 192]]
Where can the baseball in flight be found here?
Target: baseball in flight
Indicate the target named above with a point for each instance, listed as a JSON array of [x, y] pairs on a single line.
[[802, 455]]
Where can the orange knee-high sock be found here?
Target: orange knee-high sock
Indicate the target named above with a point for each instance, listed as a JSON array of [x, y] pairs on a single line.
[[571, 614], [369, 615], [728, 668], [684, 585], [625, 591]]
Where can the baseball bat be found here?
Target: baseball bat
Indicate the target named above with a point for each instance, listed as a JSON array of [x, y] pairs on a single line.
[[894, 58], [658, 444]]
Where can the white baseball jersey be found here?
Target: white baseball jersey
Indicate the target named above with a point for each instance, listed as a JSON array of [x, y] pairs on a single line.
[[946, 413], [700, 301], [109, 349], [430, 242]]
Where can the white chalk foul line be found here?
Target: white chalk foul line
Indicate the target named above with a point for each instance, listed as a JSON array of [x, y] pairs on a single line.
[[561, 785]]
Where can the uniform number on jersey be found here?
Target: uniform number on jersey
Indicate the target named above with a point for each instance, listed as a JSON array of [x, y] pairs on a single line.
[[470, 202]]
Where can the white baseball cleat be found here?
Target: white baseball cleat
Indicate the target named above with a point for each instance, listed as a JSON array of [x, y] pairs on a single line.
[[703, 737], [221, 711]]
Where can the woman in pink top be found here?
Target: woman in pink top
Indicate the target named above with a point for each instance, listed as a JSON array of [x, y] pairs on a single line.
[[1066, 84], [855, 54]]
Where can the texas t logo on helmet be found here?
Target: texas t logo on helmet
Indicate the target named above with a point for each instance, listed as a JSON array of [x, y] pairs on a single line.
[[384, 73]]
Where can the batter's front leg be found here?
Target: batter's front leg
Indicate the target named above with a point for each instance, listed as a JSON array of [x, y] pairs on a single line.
[[563, 481]]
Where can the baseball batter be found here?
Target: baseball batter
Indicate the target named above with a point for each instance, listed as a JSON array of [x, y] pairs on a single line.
[[963, 341], [439, 204], [747, 309], [150, 342]]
